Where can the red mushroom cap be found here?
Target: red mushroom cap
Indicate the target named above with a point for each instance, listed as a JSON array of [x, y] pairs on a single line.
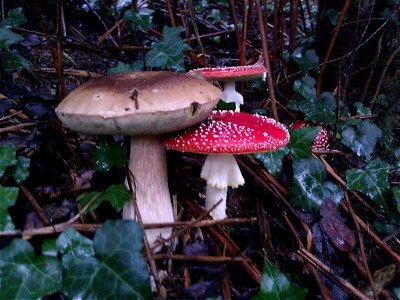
[[321, 141], [228, 132], [248, 72]]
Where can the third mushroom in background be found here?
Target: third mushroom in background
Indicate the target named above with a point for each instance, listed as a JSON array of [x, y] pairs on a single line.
[[229, 75], [222, 135]]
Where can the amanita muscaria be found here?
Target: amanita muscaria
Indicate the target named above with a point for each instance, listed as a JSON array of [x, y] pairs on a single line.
[[142, 105], [229, 76], [321, 141], [222, 135]]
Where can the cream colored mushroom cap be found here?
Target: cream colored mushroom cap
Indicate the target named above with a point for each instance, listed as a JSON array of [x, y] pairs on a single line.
[[138, 103]]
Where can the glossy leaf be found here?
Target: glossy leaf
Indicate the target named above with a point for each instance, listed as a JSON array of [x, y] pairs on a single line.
[[7, 158], [13, 61], [123, 67], [301, 141], [276, 286], [15, 18], [167, 53], [109, 153], [116, 194], [396, 195], [25, 276], [118, 269], [272, 160], [72, 244], [8, 196], [8, 37], [305, 87], [307, 60], [49, 247], [141, 18], [309, 188], [20, 172], [361, 139], [372, 181]]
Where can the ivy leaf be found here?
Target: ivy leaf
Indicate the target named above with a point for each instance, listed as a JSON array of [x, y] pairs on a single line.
[[275, 285], [309, 188], [397, 155], [306, 61], [118, 269], [305, 87], [49, 247], [8, 196], [116, 194], [20, 171], [372, 181], [72, 244], [396, 195], [123, 67], [109, 153], [301, 141], [25, 276], [141, 18], [7, 158], [15, 18], [7, 38], [362, 139], [272, 160], [167, 53], [13, 61]]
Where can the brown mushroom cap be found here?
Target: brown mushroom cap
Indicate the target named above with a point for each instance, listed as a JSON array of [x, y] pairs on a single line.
[[138, 103]]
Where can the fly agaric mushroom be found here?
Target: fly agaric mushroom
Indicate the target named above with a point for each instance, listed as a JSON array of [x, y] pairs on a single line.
[[321, 141], [229, 75], [220, 136], [142, 105]]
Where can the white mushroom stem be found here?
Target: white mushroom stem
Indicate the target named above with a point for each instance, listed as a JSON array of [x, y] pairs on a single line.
[[230, 94], [148, 166], [220, 171]]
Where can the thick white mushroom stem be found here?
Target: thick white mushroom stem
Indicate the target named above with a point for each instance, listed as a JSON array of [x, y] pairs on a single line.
[[229, 94], [148, 166], [220, 171]]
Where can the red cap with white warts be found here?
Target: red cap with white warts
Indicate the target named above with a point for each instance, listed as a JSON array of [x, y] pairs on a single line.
[[239, 73], [230, 133], [321, 141]]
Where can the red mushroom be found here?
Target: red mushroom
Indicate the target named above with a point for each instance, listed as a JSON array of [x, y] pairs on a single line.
[[229, 75], [321, 141], [221, 135]]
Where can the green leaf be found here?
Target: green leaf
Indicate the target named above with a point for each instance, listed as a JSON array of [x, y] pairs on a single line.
[[7, 158], [396, 292], [372, 181], [49, 247], [72, 244], [116, 194], [109, 153], [20, 170], [305, 87], [15, 18], [167, 53], [309, 188], [141, 18], [7, 38], [397, 155], [13, 61], [362, 110], [362, 139], [276, 286], [301, 141], [306, 61], [272, 160], [396, 195], [118, 269], [8, 196], [123, 67], [25, 276]]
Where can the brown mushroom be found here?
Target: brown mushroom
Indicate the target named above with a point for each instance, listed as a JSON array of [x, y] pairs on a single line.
[[142, 105]]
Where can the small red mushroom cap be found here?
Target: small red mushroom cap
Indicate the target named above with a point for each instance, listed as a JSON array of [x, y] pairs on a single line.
[[321, 141], [238, 73], [228, 132]]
